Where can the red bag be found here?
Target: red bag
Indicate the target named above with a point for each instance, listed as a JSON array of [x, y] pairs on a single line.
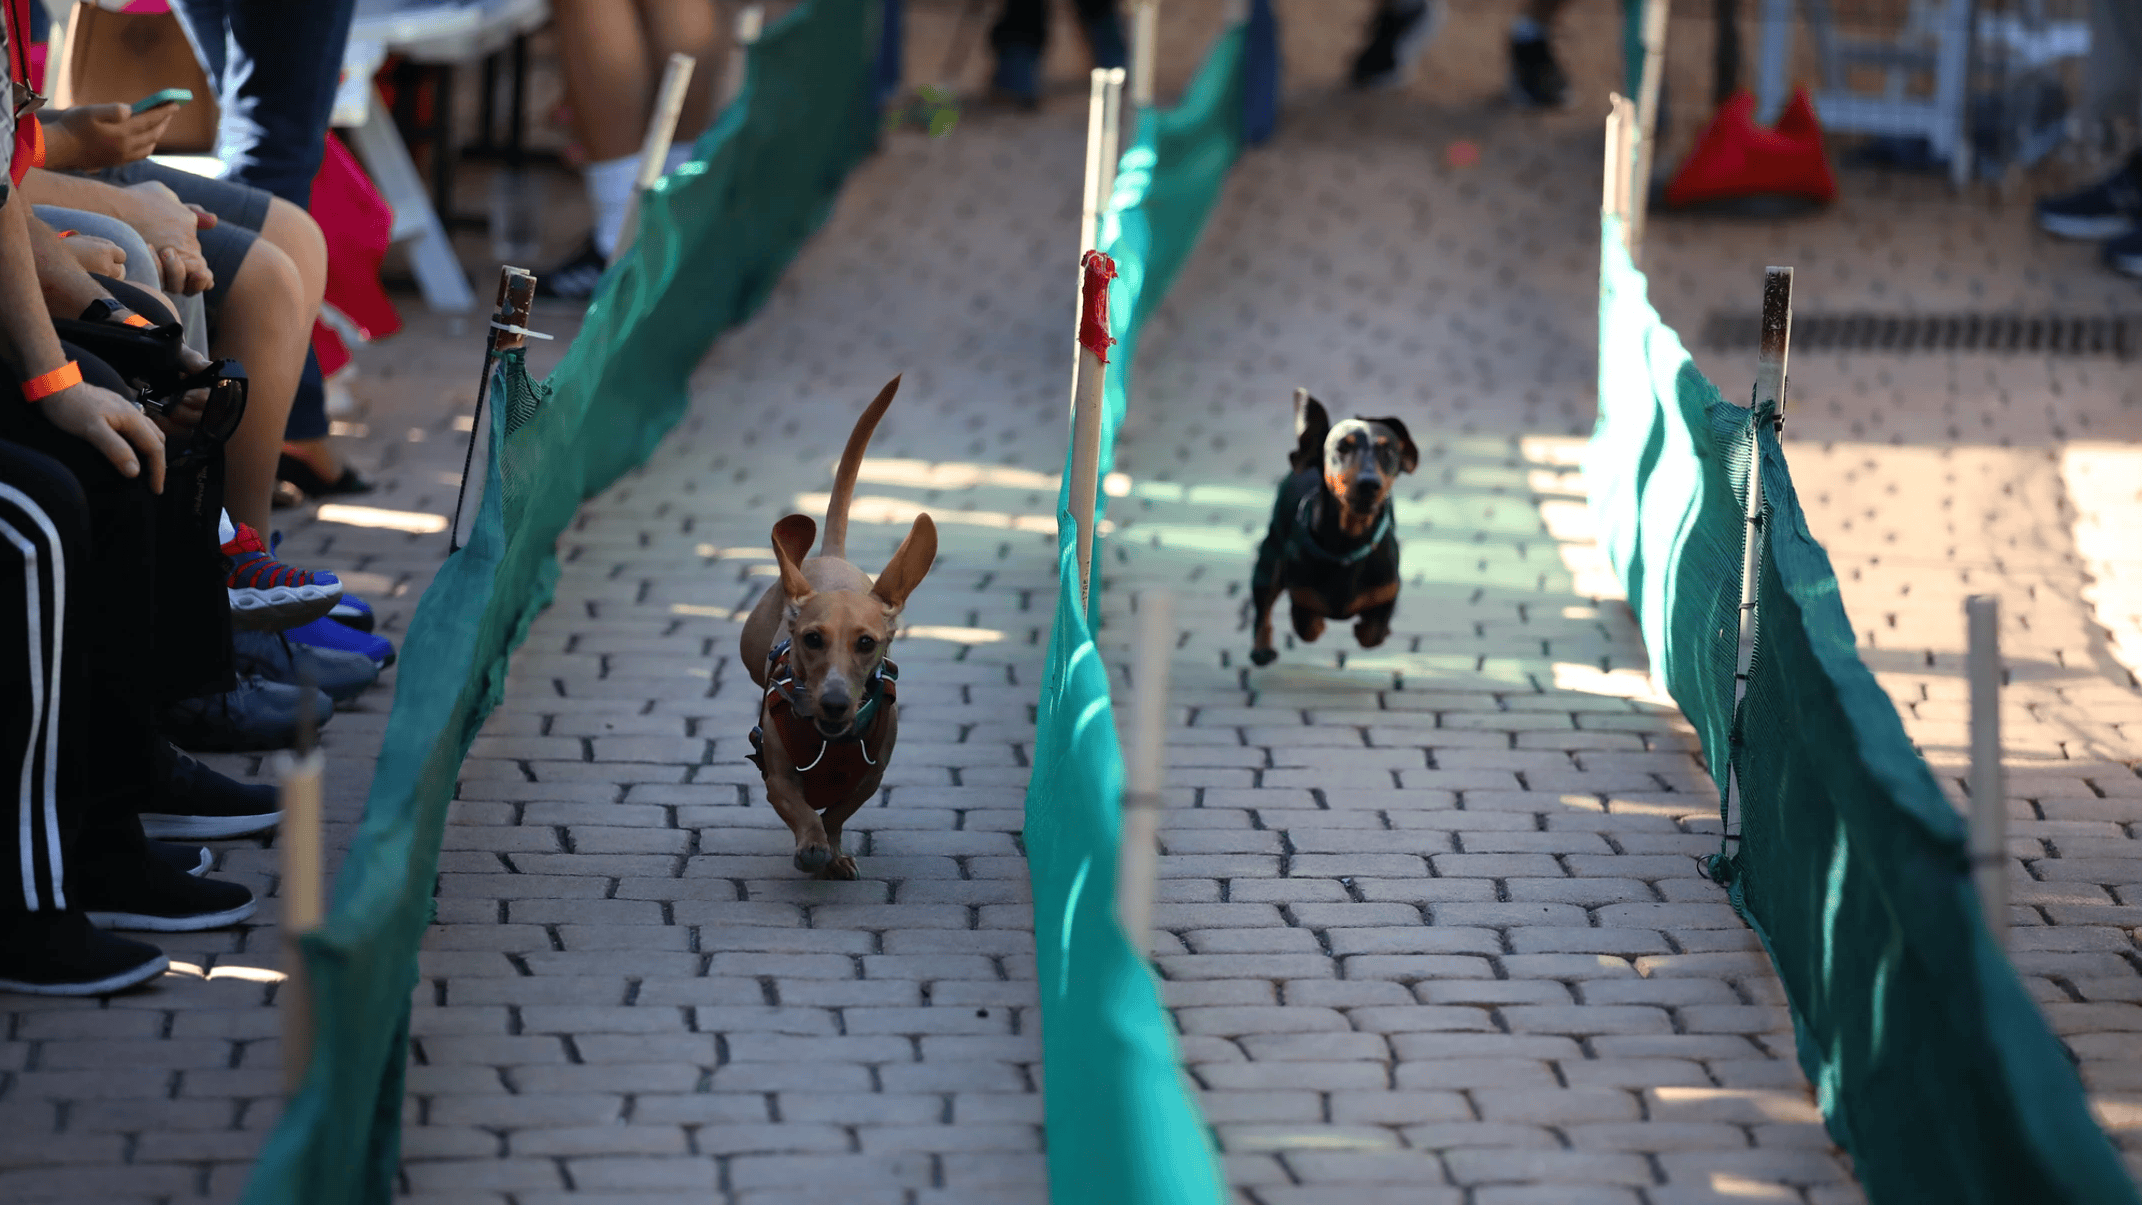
[[358, 227]]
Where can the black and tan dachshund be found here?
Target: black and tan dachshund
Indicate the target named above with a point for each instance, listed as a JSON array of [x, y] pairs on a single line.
[[1332, 548]]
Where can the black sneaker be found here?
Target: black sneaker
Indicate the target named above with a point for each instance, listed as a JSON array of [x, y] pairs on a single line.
[[160, 898], [258, 715], [1399, 32], [197, 804], [62, 954], [2105, 210], [195, 860], [2124, 254], [1535, 78], [576, 278]]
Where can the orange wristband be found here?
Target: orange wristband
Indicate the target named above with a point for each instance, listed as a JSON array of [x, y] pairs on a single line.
[[136, 320], [38, 388]]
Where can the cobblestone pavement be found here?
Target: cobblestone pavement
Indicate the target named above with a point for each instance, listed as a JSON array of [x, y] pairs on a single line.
[[1430, 923]]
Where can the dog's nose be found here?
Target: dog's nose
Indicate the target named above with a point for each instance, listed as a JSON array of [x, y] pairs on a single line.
[[1366, 485], [833, 705]]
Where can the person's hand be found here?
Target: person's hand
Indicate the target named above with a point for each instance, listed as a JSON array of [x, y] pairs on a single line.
[[101, 256], [173, 228], [112, 425], [92, 137]]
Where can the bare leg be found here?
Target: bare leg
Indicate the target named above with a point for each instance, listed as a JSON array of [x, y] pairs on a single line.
[[690, 27], [294, 232], [266, 325], [606, 56]]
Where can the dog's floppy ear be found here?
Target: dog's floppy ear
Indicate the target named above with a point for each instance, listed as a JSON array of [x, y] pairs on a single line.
[[1409, 457], [907, 567], [792, 538], [1311, 425]]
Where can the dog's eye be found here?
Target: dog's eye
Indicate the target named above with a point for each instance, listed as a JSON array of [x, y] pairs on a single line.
[[865, 644], [814, 641]]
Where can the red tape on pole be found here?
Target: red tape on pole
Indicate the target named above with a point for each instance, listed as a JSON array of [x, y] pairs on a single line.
[[1093, 314]]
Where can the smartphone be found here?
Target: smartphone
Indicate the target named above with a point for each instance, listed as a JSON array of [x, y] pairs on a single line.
[[169, 96]]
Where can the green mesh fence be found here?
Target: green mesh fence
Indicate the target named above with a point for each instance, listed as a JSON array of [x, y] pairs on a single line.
[[1932, 1066], [1121, 1123], [713, 237]]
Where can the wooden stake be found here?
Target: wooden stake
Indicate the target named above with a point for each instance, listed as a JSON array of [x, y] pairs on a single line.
[[1145, 45], [1989, 788], [1138, 851], [298, 837], [1647, 121], [1770, 364], [516, 294], [654, 150]]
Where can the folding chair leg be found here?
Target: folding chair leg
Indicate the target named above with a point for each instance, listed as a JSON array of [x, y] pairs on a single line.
[[438, 271]]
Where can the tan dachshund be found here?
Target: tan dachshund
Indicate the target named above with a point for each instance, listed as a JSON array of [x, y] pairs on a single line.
[[816, 644]]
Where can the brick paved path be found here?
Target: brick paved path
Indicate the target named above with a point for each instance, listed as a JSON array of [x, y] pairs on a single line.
[[1430, 921]]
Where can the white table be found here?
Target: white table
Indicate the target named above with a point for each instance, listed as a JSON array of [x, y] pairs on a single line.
[[425, 31]]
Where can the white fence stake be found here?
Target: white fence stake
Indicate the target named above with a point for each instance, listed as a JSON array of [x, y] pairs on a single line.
[[1095, 271], [1647, 121], [750, 23], [1138, 853], [1145, 45], [1989, 788], [654, 150], [1111, 143]]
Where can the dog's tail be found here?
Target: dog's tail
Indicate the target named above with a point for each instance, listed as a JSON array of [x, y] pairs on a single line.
[[851, 463]]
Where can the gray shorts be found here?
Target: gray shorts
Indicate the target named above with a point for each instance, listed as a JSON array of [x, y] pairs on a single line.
[[240, 211], [140, 262]]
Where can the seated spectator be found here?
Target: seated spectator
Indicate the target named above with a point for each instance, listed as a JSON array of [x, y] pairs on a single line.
[[613, 53], [1402, 29], [82, 468], [1020, 39]]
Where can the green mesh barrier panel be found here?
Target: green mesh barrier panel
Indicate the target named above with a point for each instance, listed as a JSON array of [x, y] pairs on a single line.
[[713, 237], [1122, 1125], [1931, 1064]]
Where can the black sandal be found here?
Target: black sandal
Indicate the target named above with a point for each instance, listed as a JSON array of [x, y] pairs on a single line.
[[309, 482]]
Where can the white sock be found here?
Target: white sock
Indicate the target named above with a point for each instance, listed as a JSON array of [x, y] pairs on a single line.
[[225, 532], [1525, 29], [609, 186]]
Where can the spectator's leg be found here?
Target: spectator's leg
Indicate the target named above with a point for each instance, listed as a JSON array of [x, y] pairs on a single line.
[[606, 59], [277, 87], [1398, 33], [1020, 39], [46, 942], [690, 27], [1102, 22], [264, 322], [1535, 77]]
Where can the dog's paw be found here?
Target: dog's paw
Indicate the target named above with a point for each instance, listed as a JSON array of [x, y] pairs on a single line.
[[810, 859], [841, 869], [1370, 636], [1263, 656]]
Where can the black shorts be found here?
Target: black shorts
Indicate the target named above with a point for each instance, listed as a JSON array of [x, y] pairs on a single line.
[[240, 211]]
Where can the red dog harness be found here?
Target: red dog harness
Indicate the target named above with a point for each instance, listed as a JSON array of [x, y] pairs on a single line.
[[842, 762]]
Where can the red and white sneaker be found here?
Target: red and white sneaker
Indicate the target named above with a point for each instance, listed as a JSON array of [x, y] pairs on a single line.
[[268, 595]]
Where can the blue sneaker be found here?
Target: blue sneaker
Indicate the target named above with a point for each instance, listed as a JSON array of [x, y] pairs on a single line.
[[354, 612], [328, 634], [268, 595], [2124, 254]]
